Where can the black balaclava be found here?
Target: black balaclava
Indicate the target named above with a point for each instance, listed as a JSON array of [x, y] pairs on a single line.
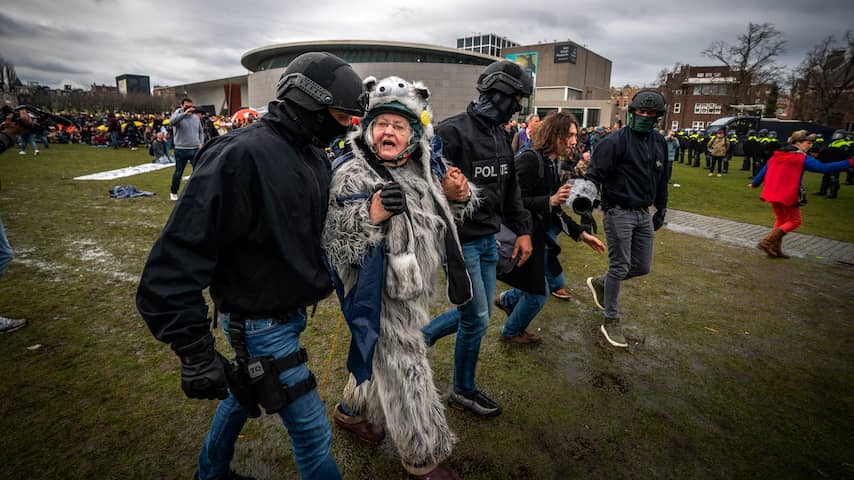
[[498, 107], [319, 127]]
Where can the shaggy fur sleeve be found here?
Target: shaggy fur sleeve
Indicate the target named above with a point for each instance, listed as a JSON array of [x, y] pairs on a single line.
[[348, 231]]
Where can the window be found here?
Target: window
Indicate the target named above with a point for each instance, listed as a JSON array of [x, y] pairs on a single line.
[[707, 108], [468, 42], [459, 43], [696, 125], [717, 74], [674, 125], [677, 107], [679, 91]]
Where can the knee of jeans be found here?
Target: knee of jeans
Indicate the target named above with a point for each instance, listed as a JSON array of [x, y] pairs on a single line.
[[620, 271], [642, 270], [475, 324]]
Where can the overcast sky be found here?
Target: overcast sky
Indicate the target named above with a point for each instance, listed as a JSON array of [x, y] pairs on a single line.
[[79, 42]]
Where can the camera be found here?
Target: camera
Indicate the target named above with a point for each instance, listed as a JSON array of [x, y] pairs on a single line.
[[582, 197]]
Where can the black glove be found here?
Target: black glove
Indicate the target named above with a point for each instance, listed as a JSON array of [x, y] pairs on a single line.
[[392, 198], [203, 370], [588, 223], [658, 219]]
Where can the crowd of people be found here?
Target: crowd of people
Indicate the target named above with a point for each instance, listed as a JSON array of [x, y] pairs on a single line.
[[272, 227]]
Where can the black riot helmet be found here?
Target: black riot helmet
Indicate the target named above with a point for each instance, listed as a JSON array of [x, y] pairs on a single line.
[[648, 99], [316, 80], [839, 134], [506, 77]]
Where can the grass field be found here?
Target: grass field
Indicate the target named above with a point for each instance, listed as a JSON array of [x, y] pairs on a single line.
[[740, 366]]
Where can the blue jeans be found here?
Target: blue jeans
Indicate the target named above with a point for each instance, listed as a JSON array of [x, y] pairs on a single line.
[[5, 250], [28, 138], [182, 156], [114, 139], [525, 305], [305, 418], [469, 321]]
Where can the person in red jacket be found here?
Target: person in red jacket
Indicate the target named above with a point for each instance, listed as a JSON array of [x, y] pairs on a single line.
[[782, 175]]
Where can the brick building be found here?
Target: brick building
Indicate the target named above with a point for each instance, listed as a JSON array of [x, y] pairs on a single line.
[[698, 95], [620, 99]]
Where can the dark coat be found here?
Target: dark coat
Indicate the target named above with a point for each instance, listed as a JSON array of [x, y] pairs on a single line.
[[538, 180]]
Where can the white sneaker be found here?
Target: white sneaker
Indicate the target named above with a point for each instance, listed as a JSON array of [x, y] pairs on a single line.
[[36, 153], [10, 324], [22, 152], [185, 178], [173, 196], [711, 174], [719, 174]]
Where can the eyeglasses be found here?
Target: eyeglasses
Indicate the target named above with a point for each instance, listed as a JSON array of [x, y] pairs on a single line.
[[399, 128]]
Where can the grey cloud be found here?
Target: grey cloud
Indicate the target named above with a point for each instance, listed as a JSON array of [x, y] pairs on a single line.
[[195, 40]]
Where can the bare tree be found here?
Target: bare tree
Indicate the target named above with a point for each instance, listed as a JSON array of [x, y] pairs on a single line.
[[751, 59], [826, 80]]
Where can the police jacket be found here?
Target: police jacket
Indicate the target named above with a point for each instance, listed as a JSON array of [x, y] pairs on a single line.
[[631, 170], [248, 225], [481, 149]]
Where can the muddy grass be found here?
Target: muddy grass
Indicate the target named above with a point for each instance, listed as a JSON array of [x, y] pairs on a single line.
[[740, 366]]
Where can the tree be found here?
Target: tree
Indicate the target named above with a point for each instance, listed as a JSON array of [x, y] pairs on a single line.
[[825, 81], [751, 59], [771, 101]]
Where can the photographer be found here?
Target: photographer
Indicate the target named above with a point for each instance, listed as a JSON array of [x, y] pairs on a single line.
[[188, 136], [14, 124], [542, 195]]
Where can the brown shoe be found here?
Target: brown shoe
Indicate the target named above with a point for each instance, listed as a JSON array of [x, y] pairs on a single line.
[[498, 304], [767, 245], [777, 243], [438, 473], [523, 338], [562, 293], [365, 430]]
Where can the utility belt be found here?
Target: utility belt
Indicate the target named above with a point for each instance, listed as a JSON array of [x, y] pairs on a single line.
[[255, 381]]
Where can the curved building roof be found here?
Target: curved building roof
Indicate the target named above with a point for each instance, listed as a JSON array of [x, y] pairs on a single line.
[[361, 51]]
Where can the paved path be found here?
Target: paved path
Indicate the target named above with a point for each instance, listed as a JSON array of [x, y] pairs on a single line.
[[748, 235]]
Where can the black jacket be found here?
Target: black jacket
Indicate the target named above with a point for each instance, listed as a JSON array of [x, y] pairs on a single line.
[[539, 180], [248, 225], [481, 149], [631, 169]]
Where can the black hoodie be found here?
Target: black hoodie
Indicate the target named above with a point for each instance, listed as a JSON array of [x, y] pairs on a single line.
[[248, 225]]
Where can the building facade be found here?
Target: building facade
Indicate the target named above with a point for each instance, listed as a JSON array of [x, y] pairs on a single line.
[[449, 73], [567, 77], [224, 95], [133, 84], [488, 44], [699, 95]]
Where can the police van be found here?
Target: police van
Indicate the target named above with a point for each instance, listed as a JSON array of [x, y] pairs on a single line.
[[741, 124]]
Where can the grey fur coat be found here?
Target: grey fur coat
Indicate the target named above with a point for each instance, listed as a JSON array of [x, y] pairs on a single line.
[[401, 394]]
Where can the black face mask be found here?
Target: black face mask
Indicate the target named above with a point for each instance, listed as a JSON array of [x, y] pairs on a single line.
[[497, 106], [324, 128], [319, 127]]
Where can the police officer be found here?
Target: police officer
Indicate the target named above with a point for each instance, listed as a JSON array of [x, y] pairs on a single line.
[[760, 157], [696, 147], [840, 148], [248, 225], [732, 138], [475, 142], [630, 168], [682, 137], [751, 144]]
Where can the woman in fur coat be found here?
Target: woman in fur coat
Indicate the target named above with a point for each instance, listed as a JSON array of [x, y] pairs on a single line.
[[386, 194]]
